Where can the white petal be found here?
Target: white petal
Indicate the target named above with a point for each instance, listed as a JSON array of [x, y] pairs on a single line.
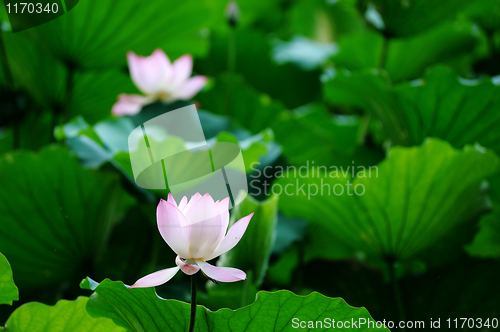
[[206, 224], [129, 104], [173, 229], [182, 205], [232, 237], [171, 200], [157, 278], [224, 274], [181, 68], [150, 74], [223, 208], [191, 87], [191, 202]]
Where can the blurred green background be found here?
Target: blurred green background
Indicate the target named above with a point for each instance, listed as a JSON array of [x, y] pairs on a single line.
[[408, 86]]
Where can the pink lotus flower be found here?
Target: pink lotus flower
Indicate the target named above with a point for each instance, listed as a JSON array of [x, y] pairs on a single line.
[[158, 79], [194, 241]]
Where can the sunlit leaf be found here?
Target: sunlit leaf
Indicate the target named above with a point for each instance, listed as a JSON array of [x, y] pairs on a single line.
[[142, 310], [8, 290], [65, 316], [410, 201]]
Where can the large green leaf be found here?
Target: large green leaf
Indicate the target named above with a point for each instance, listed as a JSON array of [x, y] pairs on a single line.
[[98, 34], [8, 290], [33, 132], [56, 215], [404, 18], [310, 135], [409, 202], [92, 93], [250, 255], [95, 92], [287, 83], [65, 316], [34, 70], [367, 89], [404, 57], [440, 105], [247, 108], [142, 310]]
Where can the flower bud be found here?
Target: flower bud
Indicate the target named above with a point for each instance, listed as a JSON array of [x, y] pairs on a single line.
[[232, 13]]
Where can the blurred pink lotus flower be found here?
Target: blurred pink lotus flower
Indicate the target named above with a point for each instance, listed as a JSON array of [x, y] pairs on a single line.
[[158, 79], [194, 241]]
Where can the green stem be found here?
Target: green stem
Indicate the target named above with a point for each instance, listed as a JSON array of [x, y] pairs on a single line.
[[396, 291], [231, 67], [383, 53], [192, 319], [231, 52], [10, 87], [68, 92], [5, 63], [491, 44], [54, 122], [16, 135], [363, 129]]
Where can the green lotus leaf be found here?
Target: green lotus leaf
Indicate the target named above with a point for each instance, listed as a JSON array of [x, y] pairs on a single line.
[[396, 210], [56, 216], [142, 310], [439, 105], [64, 316], [8, 290]]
